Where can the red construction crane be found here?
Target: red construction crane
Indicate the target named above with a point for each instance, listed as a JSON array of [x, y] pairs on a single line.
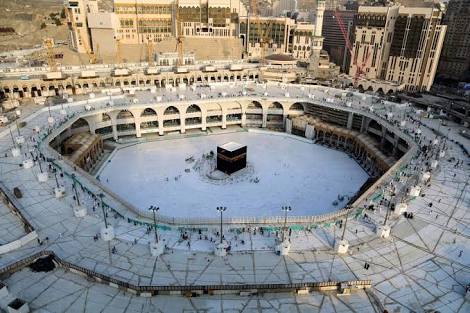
[[359, 68]]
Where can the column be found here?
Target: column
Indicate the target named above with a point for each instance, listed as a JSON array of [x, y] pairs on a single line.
[[363, 124], [138, 132], [265, 118], [160, 124], [350, 120], [182, 123], [224, 120], [114, 126], [204, 120]]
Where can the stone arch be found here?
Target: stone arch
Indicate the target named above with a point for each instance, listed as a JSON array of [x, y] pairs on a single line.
[[275, 105], [81, 124], [171, 110], [370, 88], [213, 112], [380, 91], [195, 115], [193, 108], [124, 114], [148, 112], [297, 106], [254, 105], [374, 124]]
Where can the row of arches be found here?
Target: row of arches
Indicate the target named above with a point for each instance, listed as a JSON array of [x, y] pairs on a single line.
[[160, 119], [78, 85]]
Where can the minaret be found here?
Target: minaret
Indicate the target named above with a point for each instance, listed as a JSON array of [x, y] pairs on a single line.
[[317, 37]]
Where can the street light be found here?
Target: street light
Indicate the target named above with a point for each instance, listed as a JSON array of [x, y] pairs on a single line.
[[101, 195], [56, 179], [18, 114], [221, 209], [74, 186], [286, 209], [348, 208], [155, 209]]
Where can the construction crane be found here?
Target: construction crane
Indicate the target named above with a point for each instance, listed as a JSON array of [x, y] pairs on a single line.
[[50, 56], [91, 55], [179, 36], [359, 67]]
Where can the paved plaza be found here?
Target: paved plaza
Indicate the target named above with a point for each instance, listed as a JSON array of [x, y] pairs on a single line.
[[424, 265]]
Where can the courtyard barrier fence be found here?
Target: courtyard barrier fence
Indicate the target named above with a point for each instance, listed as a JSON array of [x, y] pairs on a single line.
[[146, 290]]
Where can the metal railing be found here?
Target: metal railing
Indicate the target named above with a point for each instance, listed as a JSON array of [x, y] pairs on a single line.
[[206, 288]]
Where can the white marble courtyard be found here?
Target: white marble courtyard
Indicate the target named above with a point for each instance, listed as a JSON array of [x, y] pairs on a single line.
[[282, 170]]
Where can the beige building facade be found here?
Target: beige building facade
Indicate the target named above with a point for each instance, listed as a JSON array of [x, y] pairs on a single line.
[[77, 12], [281, 35], [143, 21], [398, 44]]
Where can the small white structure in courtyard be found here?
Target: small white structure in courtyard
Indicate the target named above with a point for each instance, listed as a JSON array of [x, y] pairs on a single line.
[[28, 163], [79, 211], [107, 233], [415, 191], [157, 248], [383, 231], [283, 248], [342, 246], [15, 152], [221, 249], [59, 192], [42, 177]]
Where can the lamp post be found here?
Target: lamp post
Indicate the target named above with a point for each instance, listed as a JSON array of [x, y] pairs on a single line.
[[74, 186], [101, 195], [154, 209], [56, 180], [345, 222], [11, 135], [221, 210], [286, 209], [18, 114]]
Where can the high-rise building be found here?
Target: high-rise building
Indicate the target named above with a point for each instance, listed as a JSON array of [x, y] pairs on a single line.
[[455, 58], [77, 11], [335, 42], [142, 21], [281, 35], [210, 18], [398, 44]]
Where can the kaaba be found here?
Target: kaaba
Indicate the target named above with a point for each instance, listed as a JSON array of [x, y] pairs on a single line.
[[231, 157]]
